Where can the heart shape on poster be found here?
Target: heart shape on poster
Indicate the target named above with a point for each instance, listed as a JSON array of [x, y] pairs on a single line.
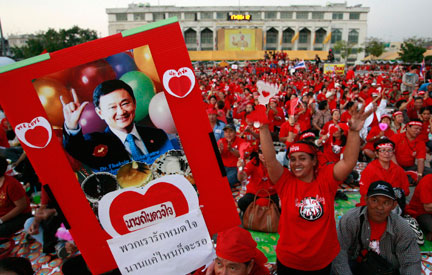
[[383, 126], [127, 210], [179, 83], [266, 91], [35, 134]]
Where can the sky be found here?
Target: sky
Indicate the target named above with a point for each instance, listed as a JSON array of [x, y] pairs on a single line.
[[389, 20]]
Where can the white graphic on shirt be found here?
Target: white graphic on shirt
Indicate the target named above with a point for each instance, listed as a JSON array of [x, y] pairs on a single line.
[[311, 208], [374, 246]]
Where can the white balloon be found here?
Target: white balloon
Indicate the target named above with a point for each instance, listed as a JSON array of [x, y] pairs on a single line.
[[6, 61], [160, 113]]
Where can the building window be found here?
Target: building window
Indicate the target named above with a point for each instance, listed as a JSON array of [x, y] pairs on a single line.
[[317, 15], [319, 36], [139, 16], [302, 48], [354, 16], [158, 16], [271, 37], [206, 36], [190, 37], [304, 36], [190, 16], [318, 49], [353, 36], [206, 15], [256, 15], [286, 15], [175, 14], [270, 15], [221, 15], [336, 36], [287, 36], [337, 16], [302, 15], [121, 17]]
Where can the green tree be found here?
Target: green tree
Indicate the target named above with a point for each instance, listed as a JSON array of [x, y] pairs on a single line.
[[411, 51], [374, 46], [345, 49], [53, 40]]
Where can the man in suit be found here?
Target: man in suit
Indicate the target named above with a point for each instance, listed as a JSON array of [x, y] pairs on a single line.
[[122, 141]]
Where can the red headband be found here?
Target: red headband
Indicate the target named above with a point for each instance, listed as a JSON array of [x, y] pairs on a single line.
[[415, 123], [306, 135], [385, 145], [397, 113], [301, 147]]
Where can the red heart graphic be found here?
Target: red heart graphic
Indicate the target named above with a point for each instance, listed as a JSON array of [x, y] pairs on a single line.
[[179, 85], [37, 136], [129, 202], [265, 94]]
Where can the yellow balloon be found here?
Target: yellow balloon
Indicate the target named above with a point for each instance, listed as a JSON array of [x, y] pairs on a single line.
[[144, 61]]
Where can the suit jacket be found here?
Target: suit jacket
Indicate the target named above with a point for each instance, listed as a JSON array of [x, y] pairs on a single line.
[[104, 151]]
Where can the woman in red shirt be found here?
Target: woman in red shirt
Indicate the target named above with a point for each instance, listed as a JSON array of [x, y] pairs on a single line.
[[307, 229], [376, 133]]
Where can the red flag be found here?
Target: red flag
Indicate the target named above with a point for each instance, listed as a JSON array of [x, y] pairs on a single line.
[[293, 105]]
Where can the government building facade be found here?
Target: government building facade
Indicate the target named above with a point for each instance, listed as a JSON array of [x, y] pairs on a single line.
[[300, 27]]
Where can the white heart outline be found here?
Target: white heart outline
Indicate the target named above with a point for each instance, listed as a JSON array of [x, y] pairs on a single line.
[[273, 89], [184, 71], [22, 128], [178, 181]]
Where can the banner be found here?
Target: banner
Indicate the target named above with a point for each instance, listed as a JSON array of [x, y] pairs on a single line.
[[240, 39], [334, 68]]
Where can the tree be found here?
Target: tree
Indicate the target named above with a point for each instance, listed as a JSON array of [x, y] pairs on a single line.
[[53, 40], [345, 49], [412, 50], [374, 46]]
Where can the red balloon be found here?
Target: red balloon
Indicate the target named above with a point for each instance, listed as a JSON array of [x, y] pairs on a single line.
[[90, 122], [86, 77]]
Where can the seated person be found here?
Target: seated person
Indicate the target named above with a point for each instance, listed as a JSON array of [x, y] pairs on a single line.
[[379, 230], [14, 203], [236, 253], [383, 168], [420, 206], [375, 134], [229, 147], [255, 172], [16, 266]]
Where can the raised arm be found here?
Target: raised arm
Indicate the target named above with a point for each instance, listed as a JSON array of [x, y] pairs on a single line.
[[274, 168]]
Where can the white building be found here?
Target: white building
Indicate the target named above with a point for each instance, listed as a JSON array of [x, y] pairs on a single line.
[[261, 27]]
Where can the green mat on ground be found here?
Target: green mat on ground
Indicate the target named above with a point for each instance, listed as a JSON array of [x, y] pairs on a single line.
[[266, 242]]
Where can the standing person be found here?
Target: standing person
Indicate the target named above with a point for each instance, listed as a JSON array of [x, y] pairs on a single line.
[[14, 203], [122, 141], [321, 117], [383, 168], [379, 230], [410, 79], [216, 124], [308, 240], [420, 206]]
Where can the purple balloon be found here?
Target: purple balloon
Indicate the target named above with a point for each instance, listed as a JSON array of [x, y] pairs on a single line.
[[90, 121], [121, 64]]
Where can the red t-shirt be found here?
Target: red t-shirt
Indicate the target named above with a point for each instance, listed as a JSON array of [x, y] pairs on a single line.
[[326, 128], [422, 195], [375, 132], [228, 158], [258, 179], [307, 228], [304, 120], [345, 117], [407, 151], [377, 230], [424, 134], [331, 151], [286, 128], [374, 171], [11, 191], [248, 137]]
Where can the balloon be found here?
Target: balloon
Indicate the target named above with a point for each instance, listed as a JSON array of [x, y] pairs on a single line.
[[49, 92], [6, 61], [61, 76], [86, 77], [144, 60], [383, 126], [143, 89], [90, 121], [121, 63], [160, 114]]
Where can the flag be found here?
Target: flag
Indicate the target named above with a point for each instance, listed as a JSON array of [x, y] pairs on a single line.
[[422, 68], [300, 65], [295, 37], [293, 105], [327, 39]]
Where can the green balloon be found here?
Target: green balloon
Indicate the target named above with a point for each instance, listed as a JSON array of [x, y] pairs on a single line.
[[143, 89]]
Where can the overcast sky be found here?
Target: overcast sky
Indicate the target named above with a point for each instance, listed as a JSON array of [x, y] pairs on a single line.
[[390, 20]]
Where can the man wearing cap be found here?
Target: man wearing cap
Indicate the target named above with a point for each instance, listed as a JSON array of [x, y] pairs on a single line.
[[236, 254], [379, 230], [409, 149], [229, 147], [383, 168]]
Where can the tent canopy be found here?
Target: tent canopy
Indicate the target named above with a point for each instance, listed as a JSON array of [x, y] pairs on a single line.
[[250, 55]]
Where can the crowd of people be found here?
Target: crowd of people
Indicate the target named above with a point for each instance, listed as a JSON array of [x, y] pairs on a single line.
[[321, 125]]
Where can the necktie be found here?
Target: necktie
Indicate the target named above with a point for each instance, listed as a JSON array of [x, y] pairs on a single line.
[[136, 152]]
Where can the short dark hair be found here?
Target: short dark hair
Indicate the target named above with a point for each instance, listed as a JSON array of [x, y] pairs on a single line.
[[349, 105], [382, 141], [418, 97], [109, 86], [322, 105], [3, 165], [19, 265]]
